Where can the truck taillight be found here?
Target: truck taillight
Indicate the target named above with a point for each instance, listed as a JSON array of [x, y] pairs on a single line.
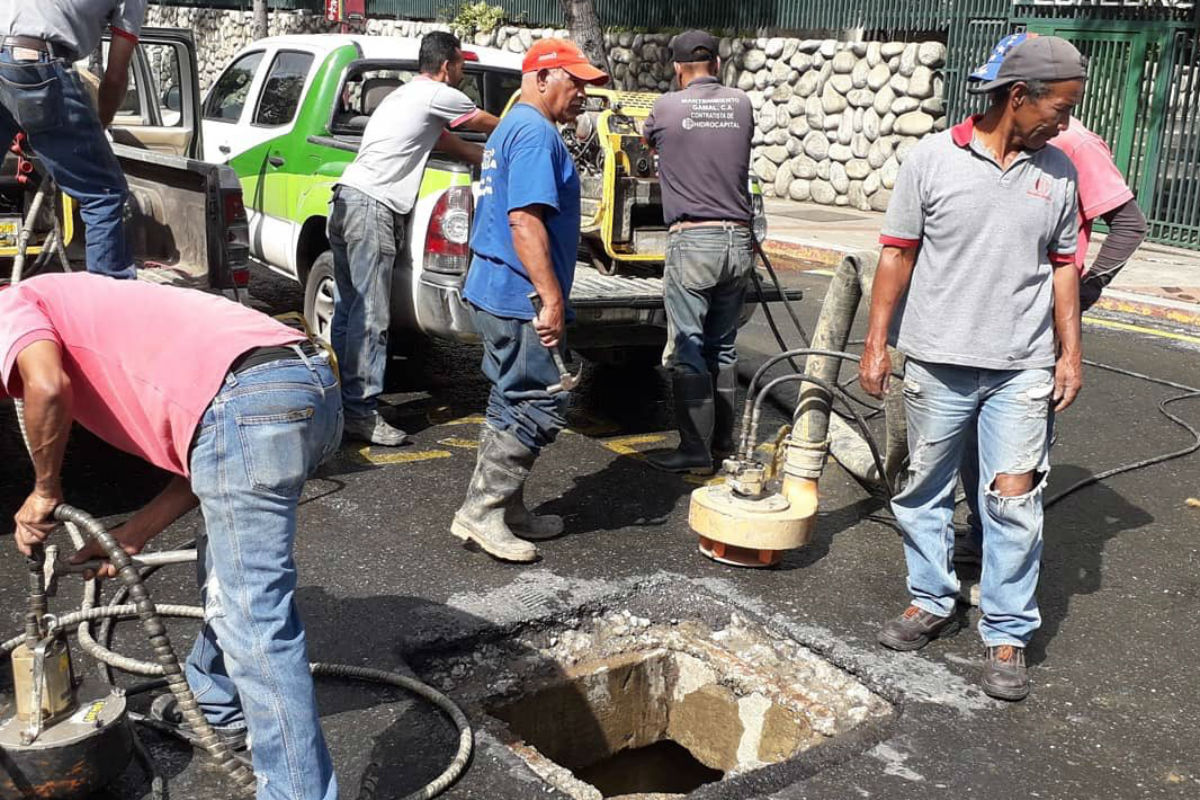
[[237, 237], [446, 243]]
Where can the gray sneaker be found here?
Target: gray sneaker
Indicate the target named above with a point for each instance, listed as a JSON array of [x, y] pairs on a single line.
[[373, 429]]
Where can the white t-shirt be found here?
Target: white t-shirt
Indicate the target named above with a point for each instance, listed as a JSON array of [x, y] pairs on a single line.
[[399, 137]]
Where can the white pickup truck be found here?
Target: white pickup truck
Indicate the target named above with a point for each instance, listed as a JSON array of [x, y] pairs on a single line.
[[288, 114]]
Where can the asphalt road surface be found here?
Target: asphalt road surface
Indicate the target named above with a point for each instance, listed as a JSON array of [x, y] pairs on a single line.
[[1114, 711]]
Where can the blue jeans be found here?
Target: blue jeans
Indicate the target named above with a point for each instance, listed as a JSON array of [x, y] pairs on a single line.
[[943, 403], [704, 286], [45, 100], [262, 436], [973, 492], [520, 368], [365, 236]]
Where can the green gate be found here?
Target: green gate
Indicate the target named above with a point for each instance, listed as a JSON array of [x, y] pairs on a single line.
[[1143, 98]]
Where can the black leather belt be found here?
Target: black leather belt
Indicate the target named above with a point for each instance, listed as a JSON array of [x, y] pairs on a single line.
[[54, 49], [265, 355]]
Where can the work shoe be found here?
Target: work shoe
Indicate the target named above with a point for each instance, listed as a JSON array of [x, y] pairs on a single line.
[[1005, 676], [165, 709], [498, 477], [520, 520], [913, 629], [694, 416], [372, 428], [725, 412]]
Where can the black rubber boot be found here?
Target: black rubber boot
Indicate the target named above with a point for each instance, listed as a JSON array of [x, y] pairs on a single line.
[[520, 520], [725, 408], [496, 481], [694, 418]]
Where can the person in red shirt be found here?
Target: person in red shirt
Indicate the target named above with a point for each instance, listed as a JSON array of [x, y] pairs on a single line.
[[240, 409]]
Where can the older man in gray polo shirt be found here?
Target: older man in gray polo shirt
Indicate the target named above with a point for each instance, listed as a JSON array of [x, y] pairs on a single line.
[[977, 286], [41, 96]]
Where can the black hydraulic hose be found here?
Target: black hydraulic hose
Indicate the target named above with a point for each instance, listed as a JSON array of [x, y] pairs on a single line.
[[787, 304], [835, 391], [1190, 392], [242, 777], [745, 445], [762, 301]]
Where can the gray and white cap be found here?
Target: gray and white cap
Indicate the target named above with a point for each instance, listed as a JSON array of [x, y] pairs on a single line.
[[1028, 57]]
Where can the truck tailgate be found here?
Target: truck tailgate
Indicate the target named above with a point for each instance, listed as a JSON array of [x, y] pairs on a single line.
[[643, 290]]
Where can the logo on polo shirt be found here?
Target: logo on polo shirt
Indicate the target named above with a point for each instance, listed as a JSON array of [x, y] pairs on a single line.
[[1041, 188]]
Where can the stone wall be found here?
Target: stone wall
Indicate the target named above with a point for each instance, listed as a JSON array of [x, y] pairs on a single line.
[[834, 119]]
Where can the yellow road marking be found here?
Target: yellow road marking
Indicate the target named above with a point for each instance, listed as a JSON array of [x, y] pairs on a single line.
[[442, 416], [380, 459], [705, 480], [1125, 326], [623, 445], [828, 273], [466, 444]]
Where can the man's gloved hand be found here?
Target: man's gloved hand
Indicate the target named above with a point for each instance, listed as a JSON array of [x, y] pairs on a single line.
[[35, 520]]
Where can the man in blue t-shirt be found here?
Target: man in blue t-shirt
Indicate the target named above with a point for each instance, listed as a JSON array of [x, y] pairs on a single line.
[[525, 239]]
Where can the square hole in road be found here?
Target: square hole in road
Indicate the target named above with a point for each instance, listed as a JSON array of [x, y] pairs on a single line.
[[619, 706]]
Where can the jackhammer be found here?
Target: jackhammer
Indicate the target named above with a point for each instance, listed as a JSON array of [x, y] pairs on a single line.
[[749, 520]]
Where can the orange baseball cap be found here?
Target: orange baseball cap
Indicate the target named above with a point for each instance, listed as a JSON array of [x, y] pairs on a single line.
[[551, 53]]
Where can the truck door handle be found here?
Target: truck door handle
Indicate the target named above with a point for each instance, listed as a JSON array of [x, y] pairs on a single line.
[[275, 161], [224, 148]]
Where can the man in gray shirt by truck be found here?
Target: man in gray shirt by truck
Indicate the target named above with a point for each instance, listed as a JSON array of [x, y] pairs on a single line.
[[41, 96], [702, 135]]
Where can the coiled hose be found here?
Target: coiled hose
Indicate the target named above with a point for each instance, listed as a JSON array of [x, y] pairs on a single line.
[[164, 653], [166, 667]]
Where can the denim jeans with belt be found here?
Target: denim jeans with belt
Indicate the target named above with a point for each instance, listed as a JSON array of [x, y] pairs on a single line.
[[260, 439], [943, 403], [365, 237], [44, 99], [704, 286], [520, 368]]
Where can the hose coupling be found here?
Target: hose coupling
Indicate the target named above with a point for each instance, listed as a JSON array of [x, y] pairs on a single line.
[[805, 459]]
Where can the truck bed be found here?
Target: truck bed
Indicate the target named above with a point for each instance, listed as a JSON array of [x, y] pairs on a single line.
[[642, 290]]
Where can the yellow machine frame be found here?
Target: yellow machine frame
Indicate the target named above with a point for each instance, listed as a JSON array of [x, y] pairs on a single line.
[[68, 230]]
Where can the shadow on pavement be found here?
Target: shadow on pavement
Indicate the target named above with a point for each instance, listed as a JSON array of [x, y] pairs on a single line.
[[647, 499], [402, 750], [1073, 553]]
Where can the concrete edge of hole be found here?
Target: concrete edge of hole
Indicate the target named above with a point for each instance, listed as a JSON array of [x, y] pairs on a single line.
[[864, 734]]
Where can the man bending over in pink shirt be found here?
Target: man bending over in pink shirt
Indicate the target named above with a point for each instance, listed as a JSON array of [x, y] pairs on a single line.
[[241, 409]]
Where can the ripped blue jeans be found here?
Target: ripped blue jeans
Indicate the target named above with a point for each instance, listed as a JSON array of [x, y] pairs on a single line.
[[1008, 408]]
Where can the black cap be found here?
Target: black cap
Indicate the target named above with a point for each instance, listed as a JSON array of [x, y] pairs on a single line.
[[694, 45]]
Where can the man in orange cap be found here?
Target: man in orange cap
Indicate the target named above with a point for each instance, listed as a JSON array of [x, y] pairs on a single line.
[[525, 238]]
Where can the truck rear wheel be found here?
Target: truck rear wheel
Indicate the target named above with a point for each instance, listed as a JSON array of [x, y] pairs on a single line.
[[318, 296]]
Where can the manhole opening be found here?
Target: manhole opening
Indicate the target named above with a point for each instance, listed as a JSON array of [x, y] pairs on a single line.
[[621, 707]]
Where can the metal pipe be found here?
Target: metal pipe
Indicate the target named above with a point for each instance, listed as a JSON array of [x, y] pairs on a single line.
[[810, 442]]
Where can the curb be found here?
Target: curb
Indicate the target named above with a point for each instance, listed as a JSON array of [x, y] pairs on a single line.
[[1171, 311], [800, 255]]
